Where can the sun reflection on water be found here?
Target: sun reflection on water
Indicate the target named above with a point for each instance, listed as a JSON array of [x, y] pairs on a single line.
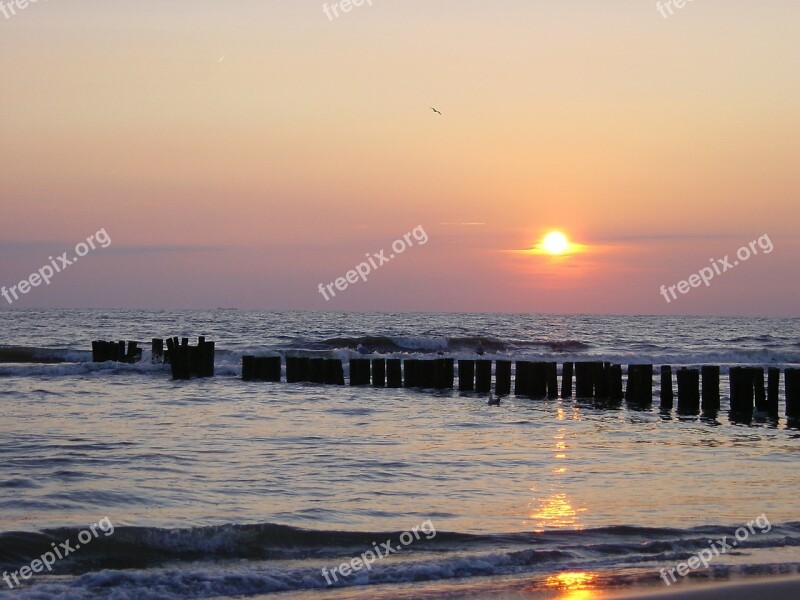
[[573, 585]]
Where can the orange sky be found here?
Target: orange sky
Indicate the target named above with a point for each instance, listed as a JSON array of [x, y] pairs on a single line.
[[239, 154]]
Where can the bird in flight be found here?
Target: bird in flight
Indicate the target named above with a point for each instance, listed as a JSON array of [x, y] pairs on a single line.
[[436, 111]]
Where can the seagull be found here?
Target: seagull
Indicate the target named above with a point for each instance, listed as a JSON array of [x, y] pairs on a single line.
[[436, 111]]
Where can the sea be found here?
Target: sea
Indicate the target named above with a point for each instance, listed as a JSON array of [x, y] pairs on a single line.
[[118, 482]]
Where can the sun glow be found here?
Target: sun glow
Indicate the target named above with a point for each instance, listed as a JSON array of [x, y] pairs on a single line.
[[555, 242]]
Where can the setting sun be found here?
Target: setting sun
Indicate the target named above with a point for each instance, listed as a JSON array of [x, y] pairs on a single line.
[[555, 242]]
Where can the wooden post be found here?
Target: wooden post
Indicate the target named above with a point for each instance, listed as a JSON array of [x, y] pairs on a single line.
[[426, 374], [316, 370], [639, 389], [502, 386], [667, 395], [551, 376], [304, 368], [410, 373], [584, 383], [466, 375], [538, 371], [205, 351], [759, 389], [157, 350], [394, 373], [292, 370], [449, 373], [566, 380], [711, 403], [334, 372], [600, 380], [248, 368], [359, 371], [742, 389], [180, 361], [688, 391], [483, 376], [792, 382], [134, 353], [270, 369], [378, 372], [614, 378], [773, 385], [522, 378], [440, 374]]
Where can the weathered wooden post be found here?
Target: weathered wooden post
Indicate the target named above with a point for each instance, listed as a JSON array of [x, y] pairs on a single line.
[[711, 397], [394, 373], [502, 386], [334, 372], [204, 358], [316, 370], [773, 386], [440, 374], [742, 391], [522, 378], [271, 369], [292, 370], [551, 376], [614, 378], [688, 391], [449, 373], [248, 368], [466, 375], [667, 395], [600, 380], [566, 380], [792, 383], [378, 372], [426, 372], [157, 350], [304, 368], [359, 371], [483, 376], [410, 379], [760, 390], [584, 381], [639, 389], [538, 385], [181, 368]]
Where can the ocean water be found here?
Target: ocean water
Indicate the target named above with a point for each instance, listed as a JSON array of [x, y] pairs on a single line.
[[218, 488]]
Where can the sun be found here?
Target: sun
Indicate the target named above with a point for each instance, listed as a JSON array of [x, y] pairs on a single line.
[[555, 242]]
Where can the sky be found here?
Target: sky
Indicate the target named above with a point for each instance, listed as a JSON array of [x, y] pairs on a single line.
[[239, 154]]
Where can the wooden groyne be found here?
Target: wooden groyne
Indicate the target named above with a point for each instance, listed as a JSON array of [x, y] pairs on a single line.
[[754, 391], [698, 389]]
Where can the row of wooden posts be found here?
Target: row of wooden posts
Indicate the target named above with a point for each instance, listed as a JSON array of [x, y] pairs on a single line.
[[186, 361], [602, 381]]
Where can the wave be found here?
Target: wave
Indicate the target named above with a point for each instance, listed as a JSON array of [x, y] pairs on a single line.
[[430, 344], [138, 547], [249, 560], [23, 354]]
